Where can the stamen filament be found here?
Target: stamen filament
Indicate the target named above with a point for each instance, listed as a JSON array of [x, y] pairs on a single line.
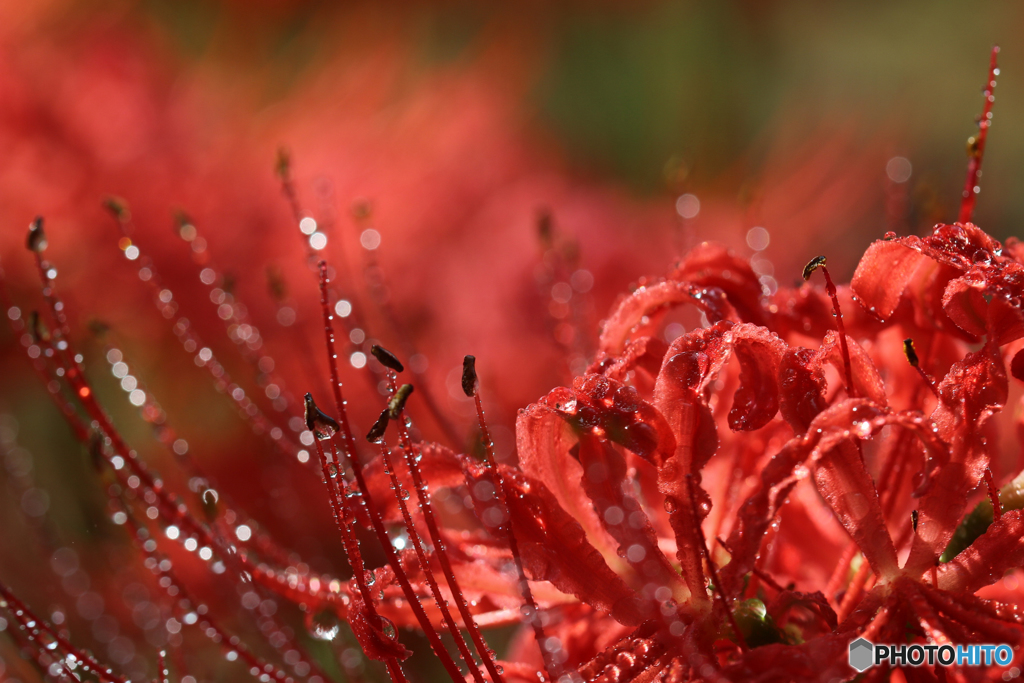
[[470, 388]]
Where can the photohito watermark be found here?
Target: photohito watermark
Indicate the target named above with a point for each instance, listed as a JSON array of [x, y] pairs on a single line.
[[864, 654]]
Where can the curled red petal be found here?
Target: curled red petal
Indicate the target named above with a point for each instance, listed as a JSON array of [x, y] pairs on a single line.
[[695, 359], [866, 378], [883, 273], [553, 545], [543, 441], [1001, 547], [964, 302], [987, 301], [625, 417], [606, 480], [645, 301], [713, 265], [645, 353], [760, 353], [802, 387]]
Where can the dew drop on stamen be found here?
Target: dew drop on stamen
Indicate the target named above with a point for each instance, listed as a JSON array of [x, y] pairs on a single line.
[[323, 625], [387, 628]]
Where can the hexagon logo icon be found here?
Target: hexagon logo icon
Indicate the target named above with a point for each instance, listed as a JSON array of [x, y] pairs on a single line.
[[861, 654]]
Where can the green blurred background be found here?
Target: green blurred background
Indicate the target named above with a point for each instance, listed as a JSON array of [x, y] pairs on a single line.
[[623, 89]]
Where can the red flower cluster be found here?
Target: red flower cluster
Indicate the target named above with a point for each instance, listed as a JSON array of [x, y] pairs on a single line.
[[652, 530]]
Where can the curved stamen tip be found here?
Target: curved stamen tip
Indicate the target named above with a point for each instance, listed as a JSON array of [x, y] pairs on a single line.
[[118, 208], [910, 352], [36, 240], [283, 164], [316, 417], [379, 427], [469, 375], [386, 358], [397, 403], [40, 334], [913, 519], [813, 265]]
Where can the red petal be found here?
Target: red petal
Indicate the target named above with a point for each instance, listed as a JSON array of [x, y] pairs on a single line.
[[844, 483], [883, 273], [760, 509], [554, 546], [713, 265], [543, 442], [757, 398], [974, 389], [866, 379], [606, 481], [626, 319], [623, 415], [802, 385]]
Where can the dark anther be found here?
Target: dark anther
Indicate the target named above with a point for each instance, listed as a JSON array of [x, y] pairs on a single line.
[[910, 351], [813, 265], [545, 227], [469, 375], [36, 237], [316, 419], [913, 519], [118, 208], [377, 430], [97, 327], [276, 284], [209, 499], [283, 164], [386, 358], [973, 147], [397, 403], [39, 332]]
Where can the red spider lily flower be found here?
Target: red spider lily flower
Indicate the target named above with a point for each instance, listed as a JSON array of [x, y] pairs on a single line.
[[651, 528]]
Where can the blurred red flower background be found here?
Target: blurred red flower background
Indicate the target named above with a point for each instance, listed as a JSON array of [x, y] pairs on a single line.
[[469, 189]]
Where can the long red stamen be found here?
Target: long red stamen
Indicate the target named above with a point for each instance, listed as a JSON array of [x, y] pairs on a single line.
[[911, 353], [417, 543], [192, 343], [993, 494], [349, 449], [168, 506], [427, 509], [33, 627], [161, 667], [470, 388], [344, 518], [692, 487], [819, 263], [976, 144]]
